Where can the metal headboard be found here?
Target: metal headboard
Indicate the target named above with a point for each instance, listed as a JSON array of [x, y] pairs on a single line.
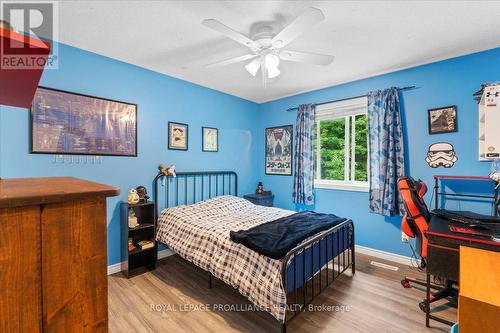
[[191, 187]]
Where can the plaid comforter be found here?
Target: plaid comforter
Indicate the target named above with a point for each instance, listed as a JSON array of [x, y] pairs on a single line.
[[200, 233]]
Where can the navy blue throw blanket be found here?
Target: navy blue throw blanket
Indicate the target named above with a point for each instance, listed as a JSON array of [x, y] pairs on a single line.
[[274, 239]]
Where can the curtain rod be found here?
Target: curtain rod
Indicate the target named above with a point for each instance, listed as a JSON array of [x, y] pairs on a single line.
[[344, 99]]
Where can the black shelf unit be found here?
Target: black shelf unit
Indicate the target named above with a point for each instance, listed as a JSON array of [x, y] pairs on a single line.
[[138, 261]]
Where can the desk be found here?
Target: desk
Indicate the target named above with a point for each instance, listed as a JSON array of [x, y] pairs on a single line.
[[475, 262]]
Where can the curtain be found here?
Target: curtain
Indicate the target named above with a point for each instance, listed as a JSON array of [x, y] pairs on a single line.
[[303, 186], [386, 152]]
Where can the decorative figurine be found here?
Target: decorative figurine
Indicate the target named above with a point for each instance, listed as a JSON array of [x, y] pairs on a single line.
[[131, 245], [142, 193], [167, 171], [132, 197], [132, 219], [260, 188]]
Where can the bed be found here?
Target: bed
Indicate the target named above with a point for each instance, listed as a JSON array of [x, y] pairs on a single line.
[[195, 212]]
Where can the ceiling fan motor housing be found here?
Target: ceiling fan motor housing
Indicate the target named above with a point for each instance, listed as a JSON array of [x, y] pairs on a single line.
[[263, 32]]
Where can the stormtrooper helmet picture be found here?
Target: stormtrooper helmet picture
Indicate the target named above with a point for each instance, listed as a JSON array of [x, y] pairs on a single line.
[[441, 154]]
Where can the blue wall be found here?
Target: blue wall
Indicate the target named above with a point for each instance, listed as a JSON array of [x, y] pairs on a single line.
[[450, 82], [160, 99], [241, 124]]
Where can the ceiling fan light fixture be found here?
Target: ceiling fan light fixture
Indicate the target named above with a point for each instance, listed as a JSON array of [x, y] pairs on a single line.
[[273, 72], [253, 66], [271, 60]]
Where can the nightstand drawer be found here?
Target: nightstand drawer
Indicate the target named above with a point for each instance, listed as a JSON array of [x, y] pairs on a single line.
[[261, 200], [265, 202]]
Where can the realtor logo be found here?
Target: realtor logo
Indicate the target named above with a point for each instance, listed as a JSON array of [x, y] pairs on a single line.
[[29, 27]]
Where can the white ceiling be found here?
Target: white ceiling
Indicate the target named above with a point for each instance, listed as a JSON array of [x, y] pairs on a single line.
[[366, 37]]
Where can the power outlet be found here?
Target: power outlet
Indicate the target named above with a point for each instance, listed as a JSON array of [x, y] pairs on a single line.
[[404, 237]]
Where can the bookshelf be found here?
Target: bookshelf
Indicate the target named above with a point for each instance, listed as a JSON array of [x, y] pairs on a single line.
[[137, 260]]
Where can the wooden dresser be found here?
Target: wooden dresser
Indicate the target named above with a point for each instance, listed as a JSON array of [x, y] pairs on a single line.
[[53, 255], [479, 299]]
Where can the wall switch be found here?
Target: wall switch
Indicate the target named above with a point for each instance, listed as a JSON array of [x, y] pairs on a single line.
[[404, 237]]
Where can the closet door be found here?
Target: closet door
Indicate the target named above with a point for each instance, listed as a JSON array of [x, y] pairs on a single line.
[[20, 278], [74, 265]]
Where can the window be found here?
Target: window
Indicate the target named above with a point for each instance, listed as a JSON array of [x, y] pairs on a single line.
[[341, 145]]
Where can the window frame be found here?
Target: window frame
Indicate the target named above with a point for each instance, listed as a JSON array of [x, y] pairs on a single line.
[[347, 109]]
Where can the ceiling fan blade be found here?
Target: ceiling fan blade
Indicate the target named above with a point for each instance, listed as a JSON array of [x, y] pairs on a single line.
[[301, 24], [309, 58], [232, 60], [228, 32]]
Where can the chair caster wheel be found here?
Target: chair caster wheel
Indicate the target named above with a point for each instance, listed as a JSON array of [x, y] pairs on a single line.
[[405, 283], [424, 306]]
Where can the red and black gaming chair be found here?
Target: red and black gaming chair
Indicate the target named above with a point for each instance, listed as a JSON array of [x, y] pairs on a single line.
[[414, 224]]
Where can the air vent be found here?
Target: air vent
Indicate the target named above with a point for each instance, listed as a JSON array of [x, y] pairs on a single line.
[[385, 266]]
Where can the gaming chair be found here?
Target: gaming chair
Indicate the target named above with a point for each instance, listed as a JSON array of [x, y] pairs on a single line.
[[414, 224]]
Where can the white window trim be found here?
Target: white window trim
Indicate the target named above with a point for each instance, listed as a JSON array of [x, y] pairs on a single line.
[[344, 185], [348, 109]]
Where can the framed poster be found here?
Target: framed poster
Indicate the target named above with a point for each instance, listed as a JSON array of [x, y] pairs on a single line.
[[63, 122], [177, 136], [443, 120], [210, 138], [279, 150]]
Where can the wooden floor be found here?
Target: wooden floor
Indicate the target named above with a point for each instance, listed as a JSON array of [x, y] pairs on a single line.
[[174, 298]]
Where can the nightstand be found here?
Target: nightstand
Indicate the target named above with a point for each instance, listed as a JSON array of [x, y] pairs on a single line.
[[260, 199]]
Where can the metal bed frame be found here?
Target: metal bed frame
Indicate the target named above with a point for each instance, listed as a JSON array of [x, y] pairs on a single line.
[[334, 238]]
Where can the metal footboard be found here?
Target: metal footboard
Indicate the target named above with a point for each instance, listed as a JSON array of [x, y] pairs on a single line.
[[335, 247]]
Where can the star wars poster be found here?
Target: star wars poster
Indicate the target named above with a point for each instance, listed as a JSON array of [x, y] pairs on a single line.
[[279, 150]]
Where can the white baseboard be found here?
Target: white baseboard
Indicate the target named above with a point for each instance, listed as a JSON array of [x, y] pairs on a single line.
[[115, 268], [385, 255]]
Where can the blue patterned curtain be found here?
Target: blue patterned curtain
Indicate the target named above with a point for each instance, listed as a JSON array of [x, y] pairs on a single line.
[[386, 151], [303, 186]]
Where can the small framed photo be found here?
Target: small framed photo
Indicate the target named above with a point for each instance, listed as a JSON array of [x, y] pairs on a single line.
[[210, 138], [443, 120], [177, 136]]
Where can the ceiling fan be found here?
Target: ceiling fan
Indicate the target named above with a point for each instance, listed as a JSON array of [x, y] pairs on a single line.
[[267, 47]]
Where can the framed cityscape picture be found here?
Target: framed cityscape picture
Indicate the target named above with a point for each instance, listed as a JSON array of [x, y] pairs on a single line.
[[279, 150], [177, 136], [443, 120], [210, 138], [63, 122]]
